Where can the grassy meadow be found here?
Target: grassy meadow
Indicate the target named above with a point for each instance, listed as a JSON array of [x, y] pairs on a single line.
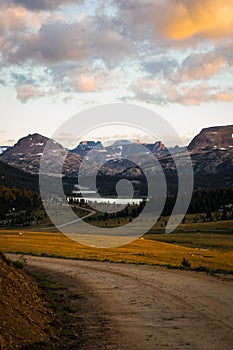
[[206, 246]]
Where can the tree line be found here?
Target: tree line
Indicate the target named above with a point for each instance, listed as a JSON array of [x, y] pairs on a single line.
[[14, 200]]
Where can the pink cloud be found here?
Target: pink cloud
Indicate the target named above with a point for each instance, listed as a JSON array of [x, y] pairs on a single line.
[[27, 92]]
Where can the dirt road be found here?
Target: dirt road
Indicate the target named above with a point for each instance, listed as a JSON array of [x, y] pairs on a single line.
[[121, 306]]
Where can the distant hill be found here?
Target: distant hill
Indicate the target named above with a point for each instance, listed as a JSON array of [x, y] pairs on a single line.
[[124, 148], [212, 153], [213, 138], [157, 148], [85, 146], [13, 177]]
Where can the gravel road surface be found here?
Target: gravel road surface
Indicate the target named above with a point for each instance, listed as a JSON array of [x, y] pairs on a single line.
[[139, 307]]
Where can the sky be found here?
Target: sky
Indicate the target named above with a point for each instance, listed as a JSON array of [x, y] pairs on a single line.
[[59, 57]]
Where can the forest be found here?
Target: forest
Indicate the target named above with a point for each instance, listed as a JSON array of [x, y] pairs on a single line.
[[17, 205]]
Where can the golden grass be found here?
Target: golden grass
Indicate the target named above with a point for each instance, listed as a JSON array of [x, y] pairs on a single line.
[[207, 226], [189, 226], [197, 240], [141, 251]]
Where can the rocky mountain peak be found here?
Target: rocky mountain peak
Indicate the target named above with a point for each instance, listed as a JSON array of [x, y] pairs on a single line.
[[32, 143], [85, 146], [26, 155], [159, 146], [214, 137]]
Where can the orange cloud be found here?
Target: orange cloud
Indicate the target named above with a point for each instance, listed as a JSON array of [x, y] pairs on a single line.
[[12, 18], [86, 84], [17, 20], [209, 18], [224, 96]]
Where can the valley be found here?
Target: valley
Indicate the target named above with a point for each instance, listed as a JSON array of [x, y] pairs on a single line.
[[157, 291]]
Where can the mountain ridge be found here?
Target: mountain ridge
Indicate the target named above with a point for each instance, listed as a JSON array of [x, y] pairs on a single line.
[[211, 153], [27, 152], [213, 137]]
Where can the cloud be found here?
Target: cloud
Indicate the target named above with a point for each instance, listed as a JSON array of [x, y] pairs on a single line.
[[196, 66], [173, 51], [86, 84], [224, 96], [43, 4], [54, 42], [161, 66], [11, 20], [11, 141], [209, 19], [95, 80], [162, 93], [61, 41], [202, 66], [178, 20], [27, 92]]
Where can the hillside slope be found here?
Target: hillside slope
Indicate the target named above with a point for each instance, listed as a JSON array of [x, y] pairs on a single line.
[[23, 316], [14, 177], [213, 137]]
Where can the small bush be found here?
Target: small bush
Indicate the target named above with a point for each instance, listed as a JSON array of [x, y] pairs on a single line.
[[18, 264], [44, 254], [185, 263], [201, 268]]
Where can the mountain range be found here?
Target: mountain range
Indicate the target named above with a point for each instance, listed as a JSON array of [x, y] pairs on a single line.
[[27, 152], [211, 153]]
